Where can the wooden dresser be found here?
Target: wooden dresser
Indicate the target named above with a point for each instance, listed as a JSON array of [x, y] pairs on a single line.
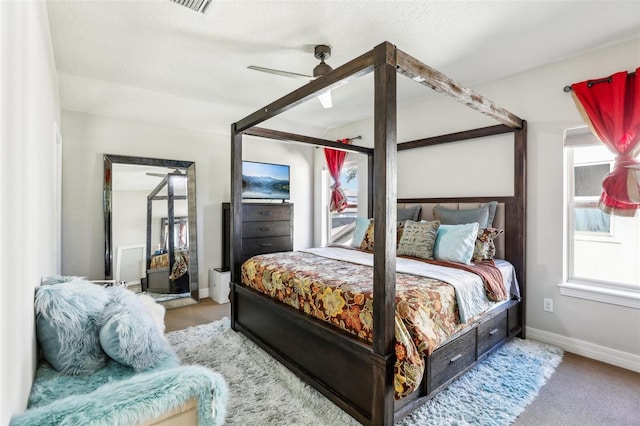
[[266, 228]]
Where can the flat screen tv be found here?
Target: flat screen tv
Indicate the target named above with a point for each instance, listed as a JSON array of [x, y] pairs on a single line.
[[265, 181]]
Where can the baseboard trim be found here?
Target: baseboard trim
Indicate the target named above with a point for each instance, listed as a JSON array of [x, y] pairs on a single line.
[[586, 349], [203, 292]]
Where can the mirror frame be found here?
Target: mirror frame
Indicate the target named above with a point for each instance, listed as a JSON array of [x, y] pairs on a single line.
[[190, 167]]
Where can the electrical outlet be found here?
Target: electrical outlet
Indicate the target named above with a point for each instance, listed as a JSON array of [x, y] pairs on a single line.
[[548, 305]]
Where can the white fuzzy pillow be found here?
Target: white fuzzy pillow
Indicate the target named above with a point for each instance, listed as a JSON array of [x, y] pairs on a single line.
[[156, 311]]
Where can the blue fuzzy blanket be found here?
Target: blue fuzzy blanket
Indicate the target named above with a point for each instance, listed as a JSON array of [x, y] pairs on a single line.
[[116, 395]]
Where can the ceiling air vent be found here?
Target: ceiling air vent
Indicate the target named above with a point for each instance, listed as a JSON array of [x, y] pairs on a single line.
[[197, 5]]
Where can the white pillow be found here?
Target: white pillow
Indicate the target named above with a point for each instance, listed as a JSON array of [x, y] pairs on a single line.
[[455, 243], [156, 311]]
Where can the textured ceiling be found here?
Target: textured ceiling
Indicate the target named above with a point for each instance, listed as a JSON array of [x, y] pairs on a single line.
[[155, 61]]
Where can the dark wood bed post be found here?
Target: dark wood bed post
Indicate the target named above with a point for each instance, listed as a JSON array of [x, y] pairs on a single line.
[[520, 194], [370, 191], [236, 215], [384, 213]]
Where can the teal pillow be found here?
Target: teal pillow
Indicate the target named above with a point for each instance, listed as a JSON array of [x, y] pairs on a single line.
[[455, 243], [418, 239], [458, 217], [129, 334], [362, 224], [67, 323]]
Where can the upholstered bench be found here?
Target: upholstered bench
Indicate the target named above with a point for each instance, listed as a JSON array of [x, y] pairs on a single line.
[[106, 362]]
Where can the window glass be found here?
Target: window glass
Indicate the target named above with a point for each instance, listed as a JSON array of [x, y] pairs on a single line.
[[343, 223], [588, 179], [591, 219], [601, 248]]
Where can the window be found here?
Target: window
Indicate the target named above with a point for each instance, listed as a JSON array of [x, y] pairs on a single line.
[[342, 224], [603, 251]]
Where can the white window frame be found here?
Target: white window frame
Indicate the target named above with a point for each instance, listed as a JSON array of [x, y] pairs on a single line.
[[622, 294]]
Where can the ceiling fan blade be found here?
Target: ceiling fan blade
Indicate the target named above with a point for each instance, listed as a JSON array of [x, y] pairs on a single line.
[[325, 99], [281, 73]]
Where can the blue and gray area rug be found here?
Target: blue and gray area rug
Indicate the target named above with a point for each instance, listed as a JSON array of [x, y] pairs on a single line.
[[263, 392]]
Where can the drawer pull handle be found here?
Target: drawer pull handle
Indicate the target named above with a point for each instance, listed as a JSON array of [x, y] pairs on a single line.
[[492, 332], [265, 229], [265, 245], [455, 358], [265, 213]]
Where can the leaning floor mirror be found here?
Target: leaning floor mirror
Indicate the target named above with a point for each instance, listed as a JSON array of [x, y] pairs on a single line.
[[150, 226]]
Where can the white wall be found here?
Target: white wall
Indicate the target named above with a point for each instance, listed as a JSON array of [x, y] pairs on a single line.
[[29, 109], [537, 97], [87, 137]]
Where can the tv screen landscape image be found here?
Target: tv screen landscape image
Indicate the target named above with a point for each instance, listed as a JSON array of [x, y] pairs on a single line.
[[265, 181]]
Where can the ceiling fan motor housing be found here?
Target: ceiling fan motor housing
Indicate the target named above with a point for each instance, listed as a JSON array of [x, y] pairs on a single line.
[[322, 52]]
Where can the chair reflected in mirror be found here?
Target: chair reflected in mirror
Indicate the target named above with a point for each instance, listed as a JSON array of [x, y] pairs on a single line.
[[130, 266]]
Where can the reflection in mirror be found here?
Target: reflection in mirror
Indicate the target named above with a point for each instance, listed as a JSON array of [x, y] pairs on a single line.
[[143, 199]]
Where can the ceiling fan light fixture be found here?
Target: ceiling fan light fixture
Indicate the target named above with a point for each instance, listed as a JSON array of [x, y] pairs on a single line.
[[197, 5], [325, 100]]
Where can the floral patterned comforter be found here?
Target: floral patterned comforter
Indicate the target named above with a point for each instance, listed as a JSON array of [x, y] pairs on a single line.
[[341, 293], [180, 265]]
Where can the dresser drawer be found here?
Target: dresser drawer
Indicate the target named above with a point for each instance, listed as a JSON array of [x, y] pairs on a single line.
[[266, 229], [262, 212], [452, 358], [253, 246], [492, 332]]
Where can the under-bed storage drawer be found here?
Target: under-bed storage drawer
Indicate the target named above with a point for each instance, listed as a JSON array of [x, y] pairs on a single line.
[[491, 332], [451, 359]]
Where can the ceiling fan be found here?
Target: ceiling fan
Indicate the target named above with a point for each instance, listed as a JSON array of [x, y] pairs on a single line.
[[322, 52]]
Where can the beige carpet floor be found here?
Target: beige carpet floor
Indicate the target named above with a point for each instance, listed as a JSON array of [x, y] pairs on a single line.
[[582, 391]]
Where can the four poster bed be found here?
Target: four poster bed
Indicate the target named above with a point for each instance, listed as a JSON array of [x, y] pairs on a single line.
[[358, 362], [168, 270]]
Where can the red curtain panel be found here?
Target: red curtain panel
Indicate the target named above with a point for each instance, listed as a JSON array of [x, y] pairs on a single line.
[[335, 161], [611, 108]]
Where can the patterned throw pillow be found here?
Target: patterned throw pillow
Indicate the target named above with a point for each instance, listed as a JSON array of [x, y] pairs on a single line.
[[367, 241], [485, 249], [418, 239]]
